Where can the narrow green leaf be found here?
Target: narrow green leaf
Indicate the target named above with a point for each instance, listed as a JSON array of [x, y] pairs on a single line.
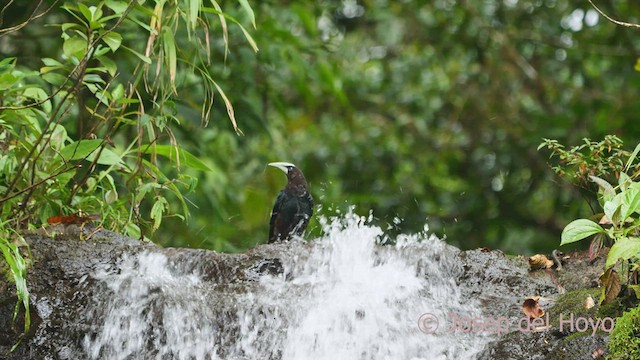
[[170, 152], [171, 57], [142, 57], [578, 230], [223, 26], [624, 248], [229, 109], [249, 38], [247, 8], [194, 7], [632, 157]]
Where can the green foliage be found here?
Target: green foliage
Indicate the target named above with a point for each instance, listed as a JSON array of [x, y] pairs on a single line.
[[624, 342], [604, 158], [113, 166], [93, 131], [427, 113], [620, 219], [18, 270]]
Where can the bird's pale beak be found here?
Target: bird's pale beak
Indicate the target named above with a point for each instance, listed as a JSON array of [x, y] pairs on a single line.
[[284, 166]]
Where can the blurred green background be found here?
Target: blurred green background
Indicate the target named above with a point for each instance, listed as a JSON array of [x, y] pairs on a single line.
[[427, 111]]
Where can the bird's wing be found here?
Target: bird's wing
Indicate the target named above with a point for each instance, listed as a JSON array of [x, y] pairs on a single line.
[[274, 216]]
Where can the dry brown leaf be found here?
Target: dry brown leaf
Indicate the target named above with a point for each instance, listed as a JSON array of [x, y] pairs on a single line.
[[610, 281], [540, 261], [604, 220], [597, 353], [531, 308]]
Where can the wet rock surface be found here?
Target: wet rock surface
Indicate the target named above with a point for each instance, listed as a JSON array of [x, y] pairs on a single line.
[[62, 290]]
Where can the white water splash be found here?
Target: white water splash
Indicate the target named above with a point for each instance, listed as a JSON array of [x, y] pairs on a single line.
[[342, 297]]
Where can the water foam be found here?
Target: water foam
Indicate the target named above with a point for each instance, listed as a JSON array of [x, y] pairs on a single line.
[[342, 297]]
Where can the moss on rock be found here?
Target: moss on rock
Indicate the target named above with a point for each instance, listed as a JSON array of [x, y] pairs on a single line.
[[624, 342]]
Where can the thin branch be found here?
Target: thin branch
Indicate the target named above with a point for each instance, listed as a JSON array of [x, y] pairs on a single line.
[[31, 17], [617, 22], [11, 196]]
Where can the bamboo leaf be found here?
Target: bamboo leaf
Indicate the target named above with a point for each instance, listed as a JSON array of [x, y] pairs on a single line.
[[229, 109], [632, 157], [171, 58], [247, 8], [170, 152]]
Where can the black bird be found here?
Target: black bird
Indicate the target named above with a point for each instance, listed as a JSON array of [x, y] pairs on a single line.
[[294, 205]]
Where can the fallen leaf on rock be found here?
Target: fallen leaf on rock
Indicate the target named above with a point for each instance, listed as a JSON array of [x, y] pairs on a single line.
[[598, 353], [540, 261], [589, 302], [531, 308]]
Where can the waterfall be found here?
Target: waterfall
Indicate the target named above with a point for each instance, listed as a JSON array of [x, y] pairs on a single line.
[[341, 296]]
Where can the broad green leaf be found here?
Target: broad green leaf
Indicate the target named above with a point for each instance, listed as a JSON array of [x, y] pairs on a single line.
[[630, 202], [54, 78], [607, 190], [74, 47], [624, 248], [7, 64], [623, 181], [38, 95], [111, 196], [107, 157], [157, 210], [108, 64], [612, 208], [636, 290], [118, 92], [113, 40], [7, 81], [578, 230], [52, 62], [133, 230], [117, 6], [86, 12], [80, 149]]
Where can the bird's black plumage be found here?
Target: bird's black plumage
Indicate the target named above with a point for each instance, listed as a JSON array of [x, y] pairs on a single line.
[[293, 207]]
